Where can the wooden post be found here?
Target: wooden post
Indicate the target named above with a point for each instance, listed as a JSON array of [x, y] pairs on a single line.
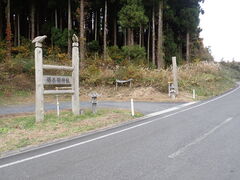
[[75, 75], [175, 79], [39, 78]]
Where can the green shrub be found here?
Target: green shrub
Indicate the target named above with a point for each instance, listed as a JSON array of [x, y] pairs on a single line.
[[135, 53], [3, 51], [21, 52], [128, 72], [60, 38], [115, 53], [93, 46]]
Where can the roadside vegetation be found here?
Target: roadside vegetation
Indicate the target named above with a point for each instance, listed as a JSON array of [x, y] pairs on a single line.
[[19, 132]]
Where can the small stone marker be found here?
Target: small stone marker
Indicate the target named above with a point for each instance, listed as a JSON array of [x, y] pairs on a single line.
[[94, 97]]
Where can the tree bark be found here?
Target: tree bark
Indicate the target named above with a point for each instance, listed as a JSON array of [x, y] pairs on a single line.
[[8, 31], [96, 26], [140, 36], [82, 33], [125, 37], [56, 18], [148, 44], [69, 28], [132, 37], [188, 48], [61, 21], [33, 20], [115, 32], [153, 37], [15, 30], [105, 32], [18, 31], [128, 36], [160, 59], [1, 22], [37, 24]]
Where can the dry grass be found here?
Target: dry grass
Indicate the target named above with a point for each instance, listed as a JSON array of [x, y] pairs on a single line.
[[20, 132], [206, 78]]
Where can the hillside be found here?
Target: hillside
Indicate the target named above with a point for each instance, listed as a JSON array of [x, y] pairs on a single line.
[[207, 78]]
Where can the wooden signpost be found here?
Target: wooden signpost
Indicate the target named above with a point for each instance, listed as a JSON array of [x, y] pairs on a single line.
[[42, 80]]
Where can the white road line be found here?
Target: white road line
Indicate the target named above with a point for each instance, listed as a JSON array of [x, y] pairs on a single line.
[[169, 110], [74, 145], [111, 134], [198, 140]]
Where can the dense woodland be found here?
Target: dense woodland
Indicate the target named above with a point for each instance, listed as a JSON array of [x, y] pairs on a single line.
[[153, 29]]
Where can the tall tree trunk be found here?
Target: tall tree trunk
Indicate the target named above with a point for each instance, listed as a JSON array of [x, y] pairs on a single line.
[[148, 44], [29, 29], [180, 51], [105, 32], [18, 31], [188, 47], [96, 26], [82, 33], [1, 22], [132, 37], [128, 36], [15, 30], [140, 36], [125, 37], [153, 37], [56, 18], [33, 20], [115, 31], [37, 23], [8, 30], [160, 60], [69, 28], [61, 21]]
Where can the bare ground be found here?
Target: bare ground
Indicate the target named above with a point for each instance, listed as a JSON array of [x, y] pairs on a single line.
[[124, 93]]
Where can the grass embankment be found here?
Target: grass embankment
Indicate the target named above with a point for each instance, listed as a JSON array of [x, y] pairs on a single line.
[[208, 79], [20, 132]]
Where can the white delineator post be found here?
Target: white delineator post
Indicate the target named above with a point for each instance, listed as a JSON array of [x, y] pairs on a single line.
[[132, 108], [194, 94], [175, 79], [75, 76], [39, 81]]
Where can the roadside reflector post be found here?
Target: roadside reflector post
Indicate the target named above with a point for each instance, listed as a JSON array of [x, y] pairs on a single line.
[[194, 94], [132, 108], [58, 109]]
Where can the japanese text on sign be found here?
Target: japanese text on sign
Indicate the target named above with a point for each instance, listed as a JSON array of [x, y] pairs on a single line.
[[59, 80]]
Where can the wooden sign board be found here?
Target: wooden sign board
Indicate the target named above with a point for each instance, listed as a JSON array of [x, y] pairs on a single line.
[[57, 80]]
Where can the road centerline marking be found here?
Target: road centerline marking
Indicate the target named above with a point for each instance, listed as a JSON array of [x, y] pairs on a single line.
[[198, 140]]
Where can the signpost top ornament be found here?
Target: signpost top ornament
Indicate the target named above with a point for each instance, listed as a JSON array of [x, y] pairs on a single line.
[[38, 40]]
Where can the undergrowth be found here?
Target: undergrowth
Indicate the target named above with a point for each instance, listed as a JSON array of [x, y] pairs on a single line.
[[207, 78]]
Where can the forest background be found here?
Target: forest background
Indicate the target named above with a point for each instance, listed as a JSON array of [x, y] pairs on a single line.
[[119, 39]]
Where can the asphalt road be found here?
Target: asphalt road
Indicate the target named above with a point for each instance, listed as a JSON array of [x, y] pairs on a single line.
[[201, 141], [143, 107]]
